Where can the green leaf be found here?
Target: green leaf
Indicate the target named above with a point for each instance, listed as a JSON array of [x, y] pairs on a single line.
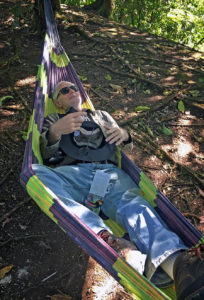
[[167, 92], [108, 77], [4, 98], [24, 135], [147, 92], [194, 93], [83, 78], [134, 80], [141, 124], [181, 106], [150, 132], [140, 108], [166, 130]]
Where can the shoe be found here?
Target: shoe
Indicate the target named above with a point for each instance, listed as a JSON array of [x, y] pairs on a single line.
[[189, 274], [126, 249]]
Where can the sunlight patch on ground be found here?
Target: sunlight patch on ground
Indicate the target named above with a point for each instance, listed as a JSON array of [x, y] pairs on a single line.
[[26, 81], [154, 98], [139, 34], [169, 80], [9, 20], [111, 31], [181, 148], [102, 292], [153, 157], [197, 55], [185, 121], [184, 148], [6, 125]]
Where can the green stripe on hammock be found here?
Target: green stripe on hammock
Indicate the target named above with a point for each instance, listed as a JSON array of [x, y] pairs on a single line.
[[137, 285], [148, 189]]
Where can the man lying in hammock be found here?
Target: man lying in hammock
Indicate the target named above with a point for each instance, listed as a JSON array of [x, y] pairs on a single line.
[[86, 178]]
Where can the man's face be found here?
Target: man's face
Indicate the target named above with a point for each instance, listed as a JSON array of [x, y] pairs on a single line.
[[68, 95]]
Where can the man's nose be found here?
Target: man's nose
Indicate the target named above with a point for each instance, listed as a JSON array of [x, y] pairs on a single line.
[[71, 91]]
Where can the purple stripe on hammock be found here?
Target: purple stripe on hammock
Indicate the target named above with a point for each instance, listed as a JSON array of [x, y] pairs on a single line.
[[178, 224]]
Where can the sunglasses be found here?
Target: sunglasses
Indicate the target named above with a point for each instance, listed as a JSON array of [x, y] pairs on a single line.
[[65, 90]]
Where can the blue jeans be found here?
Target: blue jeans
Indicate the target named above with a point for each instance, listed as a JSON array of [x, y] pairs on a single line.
[[122, 202]]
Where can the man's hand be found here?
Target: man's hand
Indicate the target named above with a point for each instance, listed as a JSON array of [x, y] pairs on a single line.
[[67, 124], [116, 135]]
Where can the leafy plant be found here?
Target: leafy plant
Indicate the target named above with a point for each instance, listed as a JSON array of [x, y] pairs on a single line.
[[177, 20]]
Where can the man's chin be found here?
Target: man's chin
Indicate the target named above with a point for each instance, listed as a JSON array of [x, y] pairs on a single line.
[[76, 105]]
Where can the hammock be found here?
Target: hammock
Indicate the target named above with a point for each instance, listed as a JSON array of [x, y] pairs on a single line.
[[54, 67]]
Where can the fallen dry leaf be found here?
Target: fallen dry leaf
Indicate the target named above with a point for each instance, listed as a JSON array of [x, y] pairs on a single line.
[[5, 270]]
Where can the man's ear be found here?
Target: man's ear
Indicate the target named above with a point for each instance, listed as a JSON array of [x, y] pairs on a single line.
[[58, 103]]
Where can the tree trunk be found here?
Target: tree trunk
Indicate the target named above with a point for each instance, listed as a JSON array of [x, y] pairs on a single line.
[[102, 7], [39, 12]]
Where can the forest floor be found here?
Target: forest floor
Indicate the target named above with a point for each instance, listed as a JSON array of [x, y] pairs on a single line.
[[122, 69]]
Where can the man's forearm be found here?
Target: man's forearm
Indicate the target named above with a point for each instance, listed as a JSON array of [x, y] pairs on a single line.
[[53, 136]]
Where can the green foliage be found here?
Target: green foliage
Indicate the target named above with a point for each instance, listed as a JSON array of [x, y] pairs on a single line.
[[141, 108], [181, 106], [194, 93], [77, 2], [166, 130], [108, 77], [181, 21], [5, 98], [149, 130], [82, 77], [24, 135], [177, 20]]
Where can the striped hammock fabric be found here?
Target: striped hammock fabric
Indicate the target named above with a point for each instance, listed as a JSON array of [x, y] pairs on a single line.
[[54, 67]]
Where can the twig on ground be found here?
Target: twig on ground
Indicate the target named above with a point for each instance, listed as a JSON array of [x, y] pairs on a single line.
[[201, 219], [48, 282], [10, 171], [99, 95], [20, 238], [8, 214]]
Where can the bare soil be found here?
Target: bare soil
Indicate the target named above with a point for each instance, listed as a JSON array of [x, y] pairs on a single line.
[[121, 69]]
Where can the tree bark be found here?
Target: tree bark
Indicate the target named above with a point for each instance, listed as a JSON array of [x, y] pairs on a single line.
[[102, 7], [39, 12]]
